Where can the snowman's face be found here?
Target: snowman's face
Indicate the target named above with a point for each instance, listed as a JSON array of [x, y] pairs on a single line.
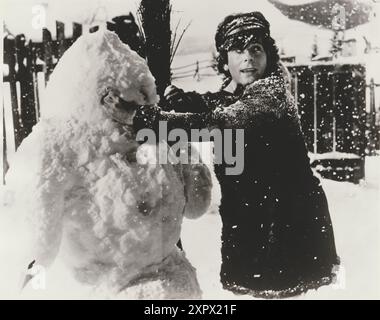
[[118, 109]]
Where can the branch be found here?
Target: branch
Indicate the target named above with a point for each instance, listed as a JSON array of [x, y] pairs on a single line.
[[174, 37], [179, 41]]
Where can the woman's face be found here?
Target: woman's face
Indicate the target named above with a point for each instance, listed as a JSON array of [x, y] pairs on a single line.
[[248, 65]]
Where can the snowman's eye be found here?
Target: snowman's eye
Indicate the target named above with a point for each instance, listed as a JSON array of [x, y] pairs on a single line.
[[144, 208]]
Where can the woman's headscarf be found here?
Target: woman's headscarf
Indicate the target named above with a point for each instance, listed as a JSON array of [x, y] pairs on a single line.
[[240, 29]]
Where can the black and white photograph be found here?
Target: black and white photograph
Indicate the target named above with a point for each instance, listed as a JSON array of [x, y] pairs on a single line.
[[190, 150]]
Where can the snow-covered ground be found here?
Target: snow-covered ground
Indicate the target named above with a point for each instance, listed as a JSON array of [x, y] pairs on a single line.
[[355, 211]]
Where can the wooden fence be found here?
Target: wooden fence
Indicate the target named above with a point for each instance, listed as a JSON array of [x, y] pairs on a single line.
[[24, 60], [194, 70]]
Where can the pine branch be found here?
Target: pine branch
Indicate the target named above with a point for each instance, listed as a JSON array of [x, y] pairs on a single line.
[[179, 41], [174, 38]]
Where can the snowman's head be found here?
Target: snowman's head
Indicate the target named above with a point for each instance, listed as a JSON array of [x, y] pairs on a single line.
[[95, 62]]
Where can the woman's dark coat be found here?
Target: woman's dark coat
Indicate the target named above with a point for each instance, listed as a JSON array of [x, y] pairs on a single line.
[[277, 237]]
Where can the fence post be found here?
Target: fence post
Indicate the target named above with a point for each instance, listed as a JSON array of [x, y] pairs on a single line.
[[315, 91], [60, 29], [48, 53], [77, 31], [371, 124], [25, 77], [334, 111], [32, 62], [10, 60], [196, 73]]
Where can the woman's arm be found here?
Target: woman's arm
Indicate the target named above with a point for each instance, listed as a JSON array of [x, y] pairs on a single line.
[[180, 101], [240, 115], [264, 97]]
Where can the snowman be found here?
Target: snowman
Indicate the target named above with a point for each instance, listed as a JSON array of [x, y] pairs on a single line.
[[89, 193]]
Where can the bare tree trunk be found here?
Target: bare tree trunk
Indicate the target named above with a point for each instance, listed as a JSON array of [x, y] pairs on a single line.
[[155, 18]]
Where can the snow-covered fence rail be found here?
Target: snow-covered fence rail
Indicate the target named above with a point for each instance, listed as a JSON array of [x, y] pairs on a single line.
[[194, 70]]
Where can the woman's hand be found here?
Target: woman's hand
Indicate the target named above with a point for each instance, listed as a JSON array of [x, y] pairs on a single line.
[[176, 97], [118, 109], [173, 93]]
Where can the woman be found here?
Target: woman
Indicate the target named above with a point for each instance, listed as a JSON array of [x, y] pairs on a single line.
[[277, 236]]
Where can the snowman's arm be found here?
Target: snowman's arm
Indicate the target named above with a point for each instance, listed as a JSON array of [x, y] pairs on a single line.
[[198, 186], [45, 229], [47, 221], [39, 179]]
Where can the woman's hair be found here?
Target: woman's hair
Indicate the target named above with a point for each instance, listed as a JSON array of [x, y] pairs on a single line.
[[262, 35]]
